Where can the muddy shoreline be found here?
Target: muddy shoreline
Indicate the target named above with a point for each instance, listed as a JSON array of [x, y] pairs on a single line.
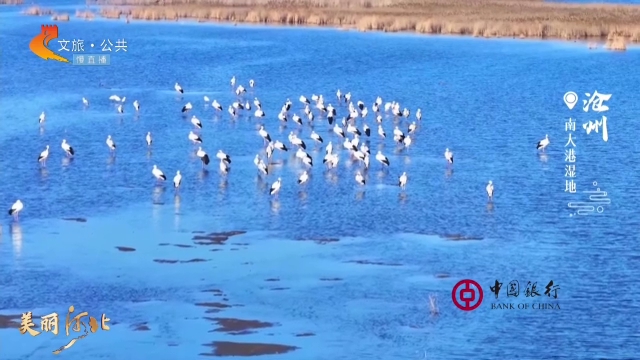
[[238, 328]]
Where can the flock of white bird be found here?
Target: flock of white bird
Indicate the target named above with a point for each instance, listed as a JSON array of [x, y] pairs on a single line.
[[346, 130]]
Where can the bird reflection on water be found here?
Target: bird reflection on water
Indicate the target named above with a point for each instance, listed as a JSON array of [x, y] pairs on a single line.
[[448, 172], [360, 195], [176, 211], [543, 157], [302, 195], [402, 197], [111, 159], [44, 173], [176, 204], [224, 183], [16, 237], [202, 175], [261, 184], [275, 206], [332, 177], [157, 194], [490, 206], [66, 161]]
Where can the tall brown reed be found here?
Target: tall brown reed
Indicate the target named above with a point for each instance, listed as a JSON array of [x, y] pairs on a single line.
[[489, 18], [38, 11], [60, 17]]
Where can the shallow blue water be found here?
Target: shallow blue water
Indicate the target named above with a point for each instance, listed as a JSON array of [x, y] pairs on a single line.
[[490, 101]]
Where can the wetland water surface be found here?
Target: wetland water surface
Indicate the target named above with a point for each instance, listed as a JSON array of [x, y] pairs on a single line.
[[325, 270]]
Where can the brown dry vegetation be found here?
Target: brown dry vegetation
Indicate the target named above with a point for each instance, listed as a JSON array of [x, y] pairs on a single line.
[[87, 15], [38, 11], [11, 2], [60, 17], [490, 18], [616, 43]]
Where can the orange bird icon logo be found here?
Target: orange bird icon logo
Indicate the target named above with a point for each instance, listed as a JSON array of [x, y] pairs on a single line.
[[40, 42]]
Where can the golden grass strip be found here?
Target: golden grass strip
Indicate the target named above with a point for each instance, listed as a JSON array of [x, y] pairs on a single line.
[[38, 11], [87, 15], [489, 18], [60, 17]]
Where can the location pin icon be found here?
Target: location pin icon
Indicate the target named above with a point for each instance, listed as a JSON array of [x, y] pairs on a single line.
[[570, 98]]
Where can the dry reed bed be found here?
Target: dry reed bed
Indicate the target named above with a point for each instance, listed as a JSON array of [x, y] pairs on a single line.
[[60, 17], [493, 19], [87, 15], [616, 43], [309, 3], [38, 11], [11, 2]]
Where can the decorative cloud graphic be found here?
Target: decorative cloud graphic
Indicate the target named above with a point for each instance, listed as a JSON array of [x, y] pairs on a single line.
[[596, 205]]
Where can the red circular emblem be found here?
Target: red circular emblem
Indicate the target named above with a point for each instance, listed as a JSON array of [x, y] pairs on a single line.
[[470, 295]]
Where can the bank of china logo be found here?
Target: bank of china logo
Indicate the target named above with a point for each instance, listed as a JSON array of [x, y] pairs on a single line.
[[39, 44]]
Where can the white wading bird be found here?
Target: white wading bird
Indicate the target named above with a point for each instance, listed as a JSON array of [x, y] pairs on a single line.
[[224, 157], [448, 155], [43, 156], [542, 144], [316, 137], [67, 148], [158, 174], [15, 209], [194, 138], [275, 188], [303, 178], [177, 180], [110, 143], [490, 190], [382, 159], [264, 134], [196, 122], [402, 181], [203, 156]]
